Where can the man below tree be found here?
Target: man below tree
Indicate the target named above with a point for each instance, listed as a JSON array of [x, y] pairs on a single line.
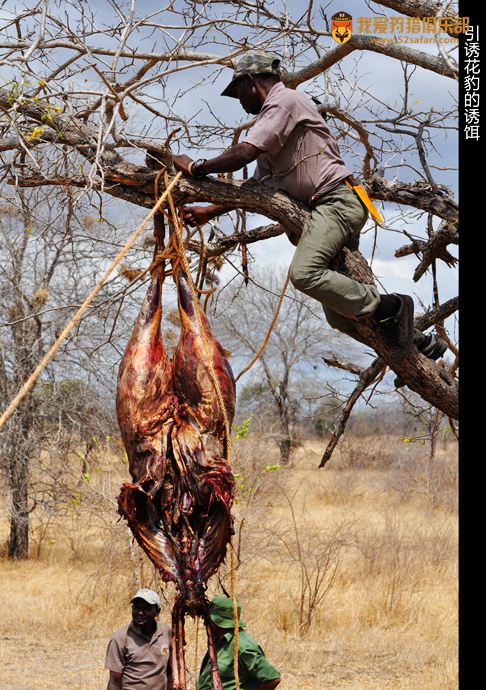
[[255, 672], [138, 653], [295, 152]]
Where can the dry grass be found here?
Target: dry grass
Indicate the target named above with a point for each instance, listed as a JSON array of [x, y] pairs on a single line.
[[376, 528]]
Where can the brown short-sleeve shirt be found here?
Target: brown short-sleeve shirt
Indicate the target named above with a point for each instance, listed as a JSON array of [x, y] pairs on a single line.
[[142, 662], [298, 155]]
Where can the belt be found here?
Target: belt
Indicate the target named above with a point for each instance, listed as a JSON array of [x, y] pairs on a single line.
[[359, 191]]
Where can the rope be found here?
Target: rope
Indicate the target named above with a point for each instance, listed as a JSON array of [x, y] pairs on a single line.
[[76, 318], [222, 405], [198, 311], [196, 644], [235, 615], [270, 329]]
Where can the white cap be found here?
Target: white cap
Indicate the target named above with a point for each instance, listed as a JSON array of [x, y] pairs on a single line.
[[147, 595]]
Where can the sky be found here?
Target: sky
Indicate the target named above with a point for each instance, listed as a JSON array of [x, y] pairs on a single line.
[[379, 74]]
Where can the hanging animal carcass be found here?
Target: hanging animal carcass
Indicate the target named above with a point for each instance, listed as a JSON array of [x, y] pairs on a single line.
[[175, 434]]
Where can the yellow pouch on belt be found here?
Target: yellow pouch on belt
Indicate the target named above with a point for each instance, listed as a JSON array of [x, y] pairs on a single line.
[[366, 200]]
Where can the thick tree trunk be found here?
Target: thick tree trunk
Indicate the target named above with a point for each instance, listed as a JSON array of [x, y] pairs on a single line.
[[18, 541], [20, 451], [21, 442], [285, 442], [285, 446], [282, 400]]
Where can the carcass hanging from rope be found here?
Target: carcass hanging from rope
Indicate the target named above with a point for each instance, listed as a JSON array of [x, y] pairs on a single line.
[[174, 420]]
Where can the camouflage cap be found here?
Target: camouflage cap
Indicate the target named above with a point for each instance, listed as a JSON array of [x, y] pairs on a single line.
[[256, 62], [221, 612]]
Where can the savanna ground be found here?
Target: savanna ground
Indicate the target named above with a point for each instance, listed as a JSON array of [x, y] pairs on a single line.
[[347, 574]]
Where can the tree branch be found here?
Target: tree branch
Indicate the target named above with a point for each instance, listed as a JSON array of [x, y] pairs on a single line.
[[369, 375], [418, 372], [366, 378], [221, 245], [338, 364], [417, 194], [434, 248], [359, 42], [415, 8], [433, 316]]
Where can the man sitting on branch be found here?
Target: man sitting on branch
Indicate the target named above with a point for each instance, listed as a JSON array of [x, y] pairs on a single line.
[[295, 152]]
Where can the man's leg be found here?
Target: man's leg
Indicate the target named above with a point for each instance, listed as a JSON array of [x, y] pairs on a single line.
[[341, 323], [333, 224], [429, 344]]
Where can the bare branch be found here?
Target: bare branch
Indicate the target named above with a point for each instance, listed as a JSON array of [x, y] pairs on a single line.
[[357, 42], [417, 194], [366, 378], [434, 248]]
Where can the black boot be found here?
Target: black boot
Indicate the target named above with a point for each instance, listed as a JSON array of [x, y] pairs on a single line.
[[429, 345], [394, 317]]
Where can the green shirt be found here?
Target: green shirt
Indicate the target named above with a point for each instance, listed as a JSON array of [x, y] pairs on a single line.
[[254, 669]]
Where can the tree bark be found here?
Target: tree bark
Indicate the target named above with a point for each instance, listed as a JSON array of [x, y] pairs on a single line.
[[285, 448], [18, 541], [20, 450], [357, 42], [285, 442]]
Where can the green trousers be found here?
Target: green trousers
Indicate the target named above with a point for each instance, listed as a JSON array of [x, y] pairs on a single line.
[[334, 223]]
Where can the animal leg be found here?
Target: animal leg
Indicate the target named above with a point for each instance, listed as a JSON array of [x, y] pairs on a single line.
[[216, 683], [178, 667]]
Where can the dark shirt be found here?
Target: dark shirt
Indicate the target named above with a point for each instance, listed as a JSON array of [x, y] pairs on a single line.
[[254, 669]]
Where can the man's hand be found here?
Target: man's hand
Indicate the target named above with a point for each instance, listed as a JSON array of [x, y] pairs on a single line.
[[197, 215], [182, 163], [200, 215]]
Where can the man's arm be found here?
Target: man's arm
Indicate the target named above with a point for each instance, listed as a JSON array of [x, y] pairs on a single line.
[[230, 160], [257, 666], [115, 664], [115, 680]]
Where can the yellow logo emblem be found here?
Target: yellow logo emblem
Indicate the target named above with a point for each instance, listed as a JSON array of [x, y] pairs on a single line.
[[341, 26]]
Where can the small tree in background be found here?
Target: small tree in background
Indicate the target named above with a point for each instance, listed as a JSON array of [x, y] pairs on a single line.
[[293, 354]]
